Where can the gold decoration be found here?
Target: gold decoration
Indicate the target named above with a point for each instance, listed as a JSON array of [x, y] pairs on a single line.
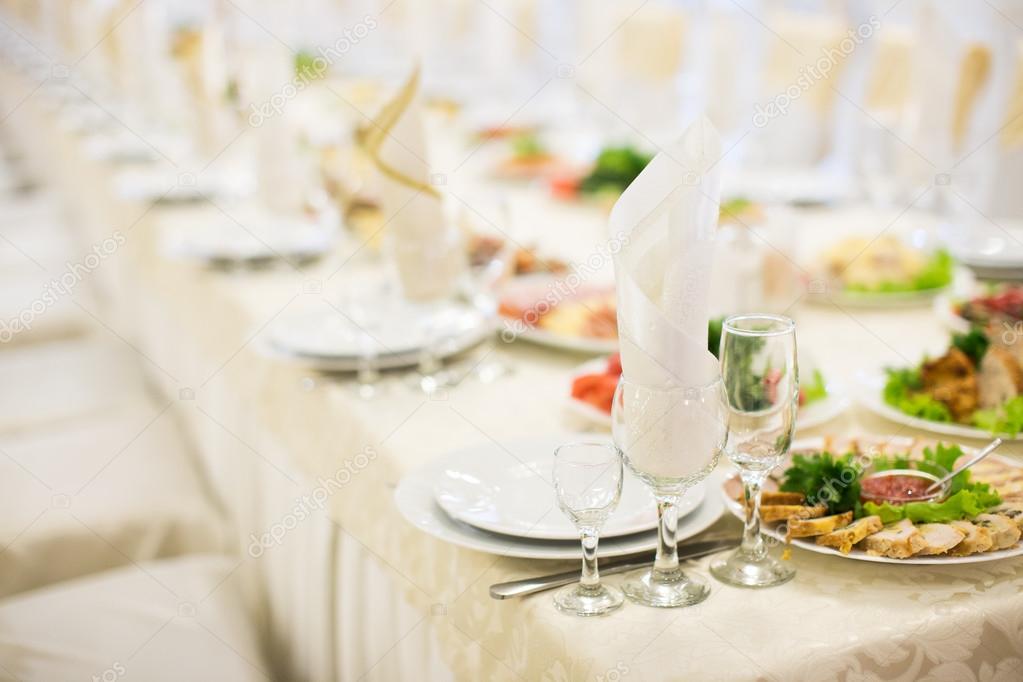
[[371, 136]]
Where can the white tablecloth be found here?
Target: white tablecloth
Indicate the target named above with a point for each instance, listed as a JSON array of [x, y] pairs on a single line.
[[355, 590]]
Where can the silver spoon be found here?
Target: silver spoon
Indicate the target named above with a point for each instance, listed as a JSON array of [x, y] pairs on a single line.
[[991, 447]]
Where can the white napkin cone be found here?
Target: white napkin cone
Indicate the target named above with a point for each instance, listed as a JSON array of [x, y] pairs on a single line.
[[426, 248], [667, 219]]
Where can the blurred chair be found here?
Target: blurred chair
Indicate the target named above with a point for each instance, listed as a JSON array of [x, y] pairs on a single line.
[[176, 619]]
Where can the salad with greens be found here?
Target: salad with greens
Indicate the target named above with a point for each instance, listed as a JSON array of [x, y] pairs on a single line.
[[978, 382]]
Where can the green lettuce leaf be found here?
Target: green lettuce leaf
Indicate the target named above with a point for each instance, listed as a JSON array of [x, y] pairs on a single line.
[[902, 391], [816, 389], [1006, 419], [975, 498]]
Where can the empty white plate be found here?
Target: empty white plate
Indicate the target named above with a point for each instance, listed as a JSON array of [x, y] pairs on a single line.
[[415, 500], [508, 489], [390, 332]]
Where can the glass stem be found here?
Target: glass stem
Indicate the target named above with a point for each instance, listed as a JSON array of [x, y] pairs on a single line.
[[667, 526], [590, 576], [752, 541]]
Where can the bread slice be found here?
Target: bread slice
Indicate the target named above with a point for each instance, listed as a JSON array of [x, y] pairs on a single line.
[[977, 539], [805, 528], [780, 512], [844, 538], [939, 538], [898, 541], [1004, 532]]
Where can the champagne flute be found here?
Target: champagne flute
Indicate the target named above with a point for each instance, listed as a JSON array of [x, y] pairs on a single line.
[[761, 389], [588, 483], [671, 439]]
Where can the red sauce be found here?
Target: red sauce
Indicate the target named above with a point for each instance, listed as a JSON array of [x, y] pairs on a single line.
[[895, 488]]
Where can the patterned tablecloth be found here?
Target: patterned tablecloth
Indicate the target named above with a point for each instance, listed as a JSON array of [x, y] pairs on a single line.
[[353, 589]]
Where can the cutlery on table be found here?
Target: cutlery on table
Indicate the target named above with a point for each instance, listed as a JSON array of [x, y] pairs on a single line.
[[519, 588]]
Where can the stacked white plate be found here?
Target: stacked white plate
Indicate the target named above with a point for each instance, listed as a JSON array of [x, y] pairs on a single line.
[[386, 334], [499, 498], [249, 236]]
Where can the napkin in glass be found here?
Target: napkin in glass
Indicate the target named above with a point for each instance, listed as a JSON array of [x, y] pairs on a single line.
[[428, 251], [666, 221]]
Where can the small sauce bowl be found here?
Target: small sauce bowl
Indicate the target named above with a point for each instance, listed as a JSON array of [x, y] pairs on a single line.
[[899, 486]]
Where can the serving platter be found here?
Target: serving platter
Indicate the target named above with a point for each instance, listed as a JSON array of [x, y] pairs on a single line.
[[731, 488], [870, 394]]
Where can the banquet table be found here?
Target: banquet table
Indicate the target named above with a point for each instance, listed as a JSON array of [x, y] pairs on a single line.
[[355, 591]]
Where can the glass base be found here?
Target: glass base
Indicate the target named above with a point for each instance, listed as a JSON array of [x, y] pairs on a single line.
[[742, 570], [588, 601], [665, 589]]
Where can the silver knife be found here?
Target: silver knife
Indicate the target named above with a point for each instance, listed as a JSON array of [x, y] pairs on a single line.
[[519, 588]]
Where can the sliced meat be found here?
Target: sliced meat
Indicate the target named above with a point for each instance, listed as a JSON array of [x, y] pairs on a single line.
[[1000, 378], [952, 380], [770, 498], [844, 538], [999, 339], [1012, 511], [977, 539], [939, 538], [805, 528], [780, 512], [778, 497], [1004, 532], [897, 541]]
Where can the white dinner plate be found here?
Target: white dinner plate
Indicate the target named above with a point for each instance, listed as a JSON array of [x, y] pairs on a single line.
[[496, 487], [158, 185], [870, 394], [834, 404], [393, 332], [414, 497], [249, 236], [891, 442]]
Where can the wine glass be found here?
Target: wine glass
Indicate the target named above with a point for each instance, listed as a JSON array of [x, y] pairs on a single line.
[[761, 390], [588, 483], [671, 439]]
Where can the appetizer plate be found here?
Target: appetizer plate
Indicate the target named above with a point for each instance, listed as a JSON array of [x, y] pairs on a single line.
[[810, 416], [414, 497], [731, 486], [496, 488], [574, 344], [397, 331], [895, 299], [871, 396]]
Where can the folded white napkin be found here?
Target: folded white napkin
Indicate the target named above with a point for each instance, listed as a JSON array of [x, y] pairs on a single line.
[[426, 248], [667, 219]]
